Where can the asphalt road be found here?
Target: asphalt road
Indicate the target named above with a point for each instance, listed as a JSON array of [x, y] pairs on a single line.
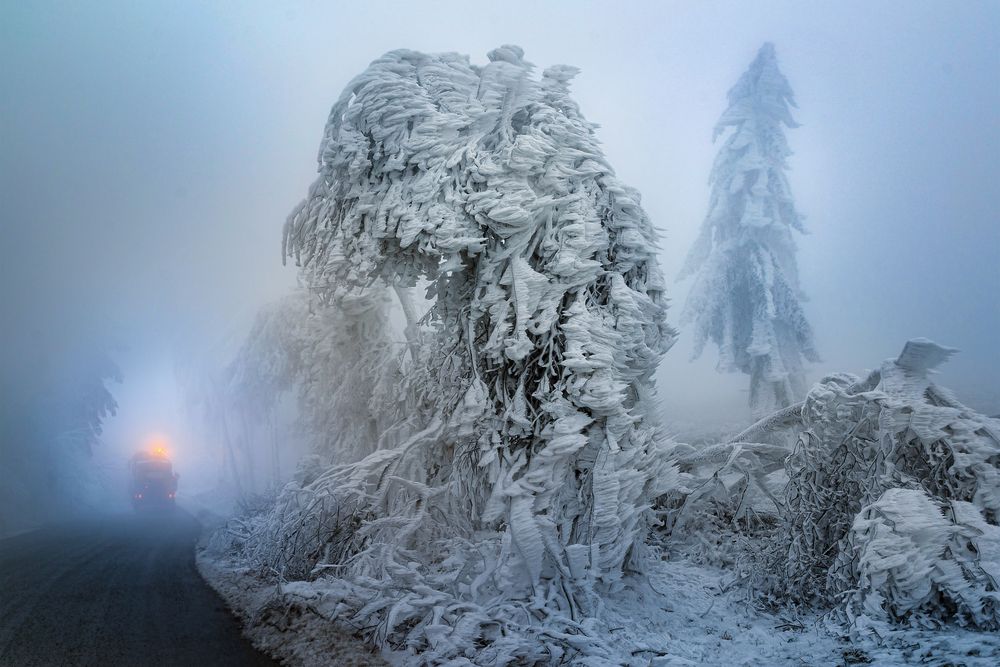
[[121, 590]]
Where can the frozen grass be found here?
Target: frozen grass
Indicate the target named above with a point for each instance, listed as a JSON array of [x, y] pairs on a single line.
[[279, 623]]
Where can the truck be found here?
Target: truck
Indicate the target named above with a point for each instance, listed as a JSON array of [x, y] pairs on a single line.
[[153, 481]]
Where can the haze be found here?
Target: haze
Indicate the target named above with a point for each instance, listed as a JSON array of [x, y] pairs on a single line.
[[151, 151]]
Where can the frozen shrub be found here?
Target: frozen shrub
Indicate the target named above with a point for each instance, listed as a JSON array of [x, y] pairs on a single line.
[[728, 501], [335, 355], [926, 562], [861, 439]]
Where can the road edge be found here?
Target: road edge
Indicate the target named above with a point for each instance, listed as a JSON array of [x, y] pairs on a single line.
[[276, 624]]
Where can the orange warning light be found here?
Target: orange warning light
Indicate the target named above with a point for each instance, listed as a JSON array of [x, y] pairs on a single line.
[[158, 446]]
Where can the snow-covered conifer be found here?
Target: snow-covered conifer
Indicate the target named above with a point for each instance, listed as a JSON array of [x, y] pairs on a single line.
[[746, 296]]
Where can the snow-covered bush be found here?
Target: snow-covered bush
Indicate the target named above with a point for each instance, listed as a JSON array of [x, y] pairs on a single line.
[[338, 358], [728, 502], [386, 560], [312, 376], [862, 438], [925, 561], [746, 296]]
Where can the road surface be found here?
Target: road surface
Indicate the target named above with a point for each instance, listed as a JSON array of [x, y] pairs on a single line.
[[120, 590]]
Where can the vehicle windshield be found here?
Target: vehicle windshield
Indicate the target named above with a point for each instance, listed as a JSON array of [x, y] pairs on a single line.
[[153, 466]]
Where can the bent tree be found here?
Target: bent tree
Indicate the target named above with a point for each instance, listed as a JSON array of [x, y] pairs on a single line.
[[547, 316], [746, 297]]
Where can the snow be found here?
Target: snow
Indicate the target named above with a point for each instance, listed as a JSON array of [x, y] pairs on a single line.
[[675, 614], [280, 622]]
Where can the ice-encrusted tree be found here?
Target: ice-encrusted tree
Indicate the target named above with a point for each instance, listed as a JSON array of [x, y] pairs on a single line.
[[313, 372], [337, 358], [530, 384], [746, 296]]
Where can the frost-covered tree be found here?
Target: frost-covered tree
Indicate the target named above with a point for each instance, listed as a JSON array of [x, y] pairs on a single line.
[[338, 359], [57, 399], [746, 296], [529, 443], [312, 375]]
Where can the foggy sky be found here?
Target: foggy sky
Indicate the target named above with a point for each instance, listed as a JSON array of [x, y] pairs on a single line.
[[150, 152]]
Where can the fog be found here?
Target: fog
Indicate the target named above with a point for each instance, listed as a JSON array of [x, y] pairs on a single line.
[[150, 152]]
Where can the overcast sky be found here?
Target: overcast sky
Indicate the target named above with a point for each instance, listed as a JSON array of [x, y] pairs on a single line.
[[150, 151]]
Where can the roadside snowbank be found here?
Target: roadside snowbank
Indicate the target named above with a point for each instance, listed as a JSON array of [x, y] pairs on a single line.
[[279, 622], [674, 614]]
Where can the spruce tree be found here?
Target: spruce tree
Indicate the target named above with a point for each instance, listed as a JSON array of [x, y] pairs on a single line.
[[746, 296]]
